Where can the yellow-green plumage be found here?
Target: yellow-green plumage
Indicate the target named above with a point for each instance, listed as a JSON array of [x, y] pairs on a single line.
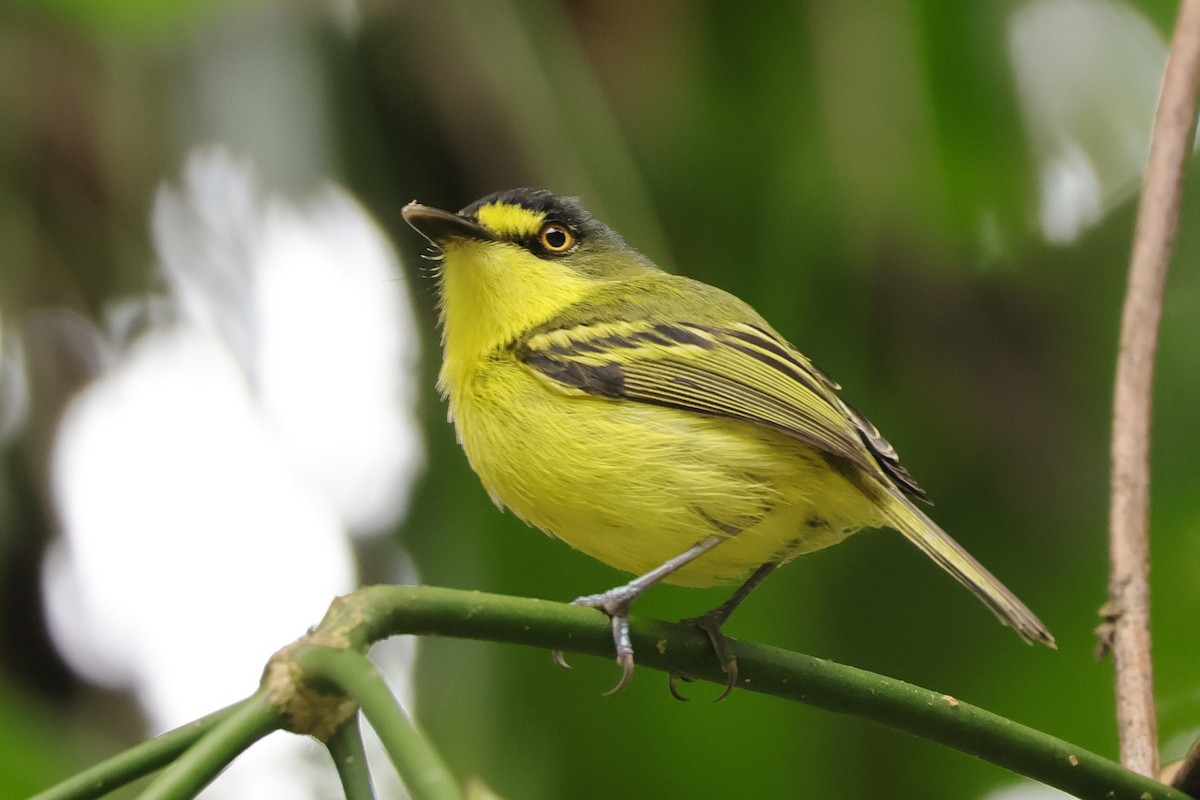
[[633, 413], [634, 484]]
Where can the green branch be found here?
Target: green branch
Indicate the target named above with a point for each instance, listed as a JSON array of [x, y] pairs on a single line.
[[425, 775], [350, 759], [377, 612], [137, 761], [215, 750], [313, 685]]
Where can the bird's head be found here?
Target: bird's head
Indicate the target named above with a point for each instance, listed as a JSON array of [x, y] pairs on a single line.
[[515, 259]]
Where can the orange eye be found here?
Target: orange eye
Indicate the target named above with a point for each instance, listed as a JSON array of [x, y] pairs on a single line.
[[556, 237]]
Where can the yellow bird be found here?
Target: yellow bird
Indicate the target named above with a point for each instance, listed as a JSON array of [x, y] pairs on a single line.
[[654, 422]]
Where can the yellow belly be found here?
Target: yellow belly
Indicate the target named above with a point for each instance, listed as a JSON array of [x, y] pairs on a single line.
[[632, 484]]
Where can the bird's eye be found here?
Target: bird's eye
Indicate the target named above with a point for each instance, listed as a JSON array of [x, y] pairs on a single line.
[[556, 237]]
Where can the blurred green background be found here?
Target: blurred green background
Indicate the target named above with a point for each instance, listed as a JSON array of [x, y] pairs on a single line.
[[865, 174]]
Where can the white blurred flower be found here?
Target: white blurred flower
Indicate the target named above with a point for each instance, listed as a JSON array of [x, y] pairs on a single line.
[[311, 302], [207, 483], [1087, 74], [187, 532]]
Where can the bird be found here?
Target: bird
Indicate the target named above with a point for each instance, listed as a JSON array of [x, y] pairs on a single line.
[[654, 422]]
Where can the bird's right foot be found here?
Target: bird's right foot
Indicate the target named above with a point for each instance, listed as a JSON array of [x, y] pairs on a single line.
[[615, 605]]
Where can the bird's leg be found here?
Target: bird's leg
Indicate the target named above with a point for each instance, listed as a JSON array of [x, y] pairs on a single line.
[[616, 602], [711, 623]]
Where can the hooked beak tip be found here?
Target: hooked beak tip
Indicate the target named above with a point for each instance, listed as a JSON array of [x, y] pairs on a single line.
[[443, 227]]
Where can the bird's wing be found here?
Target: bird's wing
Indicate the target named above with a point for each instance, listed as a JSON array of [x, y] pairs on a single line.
[[738, 370]]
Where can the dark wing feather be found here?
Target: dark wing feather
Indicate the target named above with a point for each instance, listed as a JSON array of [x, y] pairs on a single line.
[[739, 371]]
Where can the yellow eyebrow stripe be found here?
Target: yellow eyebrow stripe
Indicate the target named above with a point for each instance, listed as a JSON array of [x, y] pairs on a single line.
[[510, 221]]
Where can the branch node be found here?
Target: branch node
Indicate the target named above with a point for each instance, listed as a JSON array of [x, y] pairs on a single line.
[[308, 707]]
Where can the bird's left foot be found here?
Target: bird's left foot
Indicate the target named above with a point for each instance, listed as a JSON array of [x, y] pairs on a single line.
[[615, 605], [711, 624]]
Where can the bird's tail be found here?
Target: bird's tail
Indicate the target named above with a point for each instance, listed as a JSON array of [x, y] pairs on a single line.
[[937, 544]]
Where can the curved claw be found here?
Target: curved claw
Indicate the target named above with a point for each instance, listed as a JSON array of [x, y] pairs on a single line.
[[615, 605], [730, 669], [674, 689], [626, 662], [559, 660], [710, 623]]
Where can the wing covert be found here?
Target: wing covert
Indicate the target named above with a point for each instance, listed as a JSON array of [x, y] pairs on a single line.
[[737, 371]]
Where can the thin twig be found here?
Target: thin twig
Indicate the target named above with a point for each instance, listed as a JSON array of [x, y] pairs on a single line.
[[136, 762], [1153, 242], [425, 774], [199, 764], [350, 757]]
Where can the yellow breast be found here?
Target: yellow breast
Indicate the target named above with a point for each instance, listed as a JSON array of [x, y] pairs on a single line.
[[633, 484]]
